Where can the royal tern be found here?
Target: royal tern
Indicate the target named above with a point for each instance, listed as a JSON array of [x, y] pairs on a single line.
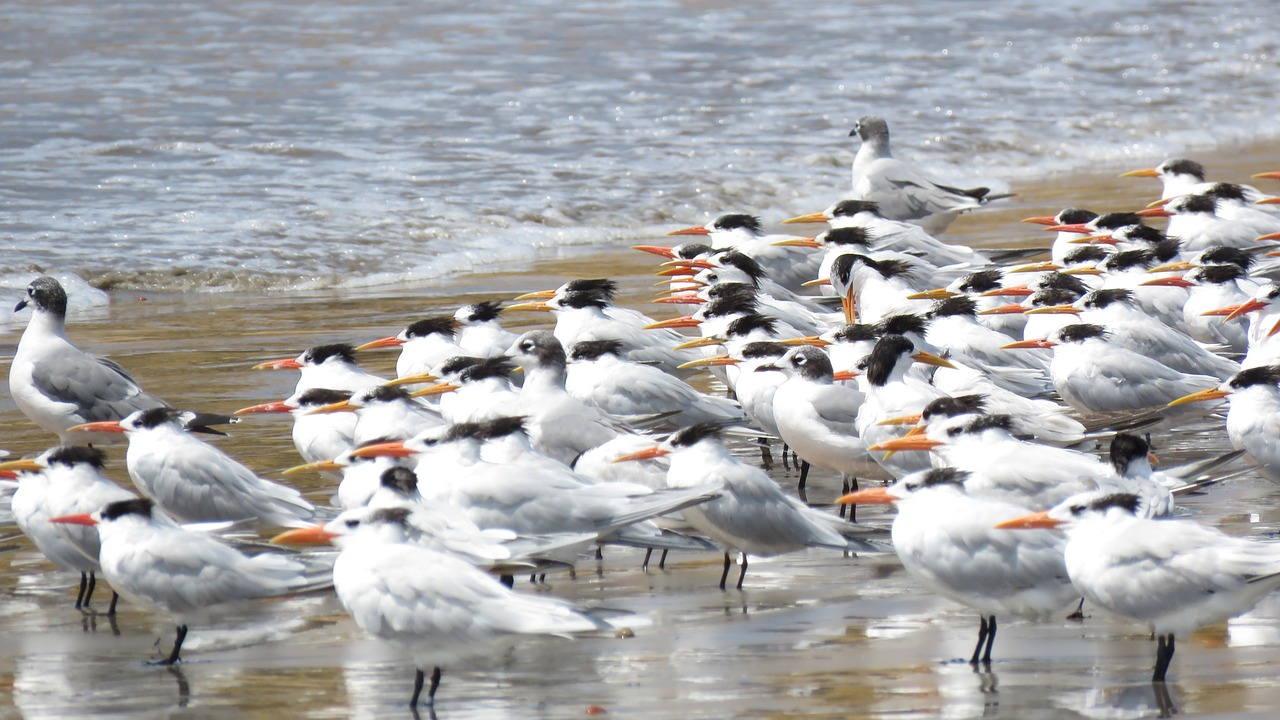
[[1063, 242], [900, 190], [946, 539], [57, 385], [1093, 374], [752, 515], [1253, 418], [155, 563], [384, 411], [65, 480], [1195, 220], [1213, 287], [424, 344], [315, 436], [195, 481], [479, 333], [1173, 576], [883, 233], [889, 393], [440, 609], [1180, 176], [473, 390], [786, 265], [330, 367]]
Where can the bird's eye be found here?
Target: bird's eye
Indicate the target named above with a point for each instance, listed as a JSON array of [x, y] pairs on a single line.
[[1077, 509], [953, 432], [353, 524], [912, 486]]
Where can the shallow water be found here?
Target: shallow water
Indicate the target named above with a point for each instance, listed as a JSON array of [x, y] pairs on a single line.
[[265, 144]]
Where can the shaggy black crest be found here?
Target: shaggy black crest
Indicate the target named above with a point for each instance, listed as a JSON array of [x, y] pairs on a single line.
[[1227, 256], [729, 290], [886, 353], [953, 406], [847, 236], [486, 430], [70, 455], [581, 299], [1128, 501], [595, 349], [1056, 296], [849, 208], [391, 515], [1079, 332], [939, 476], [689, 251], [1086, 253], [842, 266], [1076, 216], [1197, 204], [1059, 281], [155, 417], [891, 268], [482, 311], [1099, 299], [1125, 448], [1183, 166], [1261, 375], [385, 394], [733, 304], [981, 282], [989, 422], [456, 364], [1129, 259], [735, 221], [47, 294], [857, 332], [756, 350], [961, 305], [400, 479], [1167, 249], [603, 286], [136, 506], [1117, 220], [686, 437], [750, 322], [745, 263], [322, 396], [1217, 274], [1226, 191], [320, 353], [436, 324], [902, 324], [1145, 233]]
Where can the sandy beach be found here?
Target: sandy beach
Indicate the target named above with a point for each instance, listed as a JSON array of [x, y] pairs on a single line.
[[812, 635]]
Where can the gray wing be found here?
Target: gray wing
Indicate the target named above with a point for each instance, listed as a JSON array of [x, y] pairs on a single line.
[[99, 387]]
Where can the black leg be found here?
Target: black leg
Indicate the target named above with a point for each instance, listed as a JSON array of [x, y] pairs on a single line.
[[88, 594], [435, 685], [662, 561], [766, 457], [844, 490], [177, 646], [115, 598], [1079, 613], [533, 579], [418, 680], [644, 566], [804, 475], [1164, 656], [982, 639], [991, 640], [724, 576], [785, 451], [84, 580], [853, 487], [743, 574], [508, 580]]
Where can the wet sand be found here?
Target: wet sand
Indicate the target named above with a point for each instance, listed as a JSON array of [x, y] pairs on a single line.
[[813, 634]]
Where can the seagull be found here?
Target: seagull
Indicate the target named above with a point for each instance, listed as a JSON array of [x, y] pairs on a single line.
[[752, 515], [65, 480], [946, 539], [1173, 576], [901, 191], [437, 607], [195, 481], [57, 385], [157, 564]]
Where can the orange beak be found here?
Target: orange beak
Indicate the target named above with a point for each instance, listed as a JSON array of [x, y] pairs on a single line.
[[437, 389], [1041, 220], [1170, 282], [929, 358], [908, 442], [535, 306], [813, 340], [386, 342], [680, 322], [1145, 172], [1248, 306], [1267, 176], [1004, 310], [810, 218], [285, 364], [108, 426], [1011, 291], [390, 449], [662, 250], [870, 496], [1035, 521], [799, 242], [1269, 236], [841, 375], [1202, 396], [317, 466], [695, 230], [718, 360], [81, 519], [1077, 228], [1154, 212], [646, 454], [25, 465], [264, 409], [315, 535], [1036, 344], [902, 420]]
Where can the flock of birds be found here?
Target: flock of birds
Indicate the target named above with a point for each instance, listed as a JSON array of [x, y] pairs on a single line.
[[980, 390]]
